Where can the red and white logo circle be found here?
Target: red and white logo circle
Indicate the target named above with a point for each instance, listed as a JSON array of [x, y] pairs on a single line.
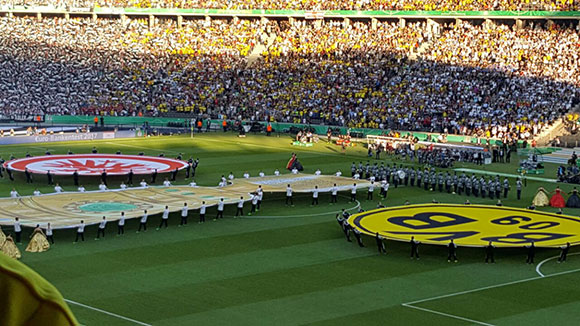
[[94, 164]]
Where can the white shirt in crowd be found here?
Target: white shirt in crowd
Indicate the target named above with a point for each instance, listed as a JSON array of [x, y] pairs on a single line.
[[231, 176], [122, 220], [123, 186], [353, 189], [202, 209], [276, 173], [17, 227], [288, 191], [371, 187], [246, 175], [81, 228], [338, 173], [144, 218], [81, 189], [386, 186], [241, 203], [372, 178], [184, 211], [143, 184], [220, 205], [102, 187], [260, 194], [261, 174], [294, 171], [255, 199], [166, 183], [165, 214], [48, 231], [14, 194], [37, 192], [58, 188], [317, 172], [356, 176], [334, 190], [315, 193], [103, 224], [193, 184]]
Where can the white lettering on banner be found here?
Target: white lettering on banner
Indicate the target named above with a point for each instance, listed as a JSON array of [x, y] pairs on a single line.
[[69, 137], [108, 135]]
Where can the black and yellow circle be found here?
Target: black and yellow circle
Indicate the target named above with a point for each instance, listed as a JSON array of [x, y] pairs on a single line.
[[470, 225]]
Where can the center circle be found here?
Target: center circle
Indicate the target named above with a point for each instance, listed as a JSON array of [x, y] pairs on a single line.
[[106, 207]]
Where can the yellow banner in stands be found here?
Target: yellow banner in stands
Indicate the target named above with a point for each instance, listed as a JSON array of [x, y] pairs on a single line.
[[470, 225]]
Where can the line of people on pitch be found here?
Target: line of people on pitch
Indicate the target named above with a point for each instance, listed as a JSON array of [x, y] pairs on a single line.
[[347, 229], [429, 179]]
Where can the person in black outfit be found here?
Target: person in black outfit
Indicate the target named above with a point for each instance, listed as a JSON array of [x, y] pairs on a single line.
[[154, 176], [531, 253], [2, 161], [10, 175], [564, 252], [188, 170], [452, 251], [130, 177], [94, 151], [49, 177], [357, 235], [380, 244], [414, 248], [28, 175], [174, 174], [104, 178], [489, 253], [194, 167], [76, 178]]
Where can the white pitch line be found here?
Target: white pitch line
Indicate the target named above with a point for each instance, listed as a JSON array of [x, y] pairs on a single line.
[[547, 260], [302, 215], [411, 304], [143, 148], [108, 313], [491, 287], [448, 315]]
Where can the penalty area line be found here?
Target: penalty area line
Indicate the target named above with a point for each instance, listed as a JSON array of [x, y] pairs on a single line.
[[107, 313], [447, 315], [412, 303]]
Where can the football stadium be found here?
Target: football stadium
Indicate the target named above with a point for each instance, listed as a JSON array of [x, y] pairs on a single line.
[[321, 162]]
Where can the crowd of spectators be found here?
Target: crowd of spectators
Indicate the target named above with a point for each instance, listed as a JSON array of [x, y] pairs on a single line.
[[483, 80], [446, 5]]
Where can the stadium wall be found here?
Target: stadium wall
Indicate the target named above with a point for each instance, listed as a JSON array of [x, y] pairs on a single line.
[[277, 126]]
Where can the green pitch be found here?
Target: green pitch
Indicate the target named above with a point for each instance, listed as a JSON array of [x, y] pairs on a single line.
[[290, 265]]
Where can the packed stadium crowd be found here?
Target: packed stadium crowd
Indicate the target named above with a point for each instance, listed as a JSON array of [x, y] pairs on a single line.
[[446, 5], [486, 80]]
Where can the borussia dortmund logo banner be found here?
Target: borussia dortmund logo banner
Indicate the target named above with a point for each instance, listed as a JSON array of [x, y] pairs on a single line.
[[470, 225]]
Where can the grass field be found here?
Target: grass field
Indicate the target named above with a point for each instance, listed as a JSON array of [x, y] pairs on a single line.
[[291, 265]]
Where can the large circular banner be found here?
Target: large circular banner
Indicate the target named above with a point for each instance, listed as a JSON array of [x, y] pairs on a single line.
[[95, 164], [469, 225]]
